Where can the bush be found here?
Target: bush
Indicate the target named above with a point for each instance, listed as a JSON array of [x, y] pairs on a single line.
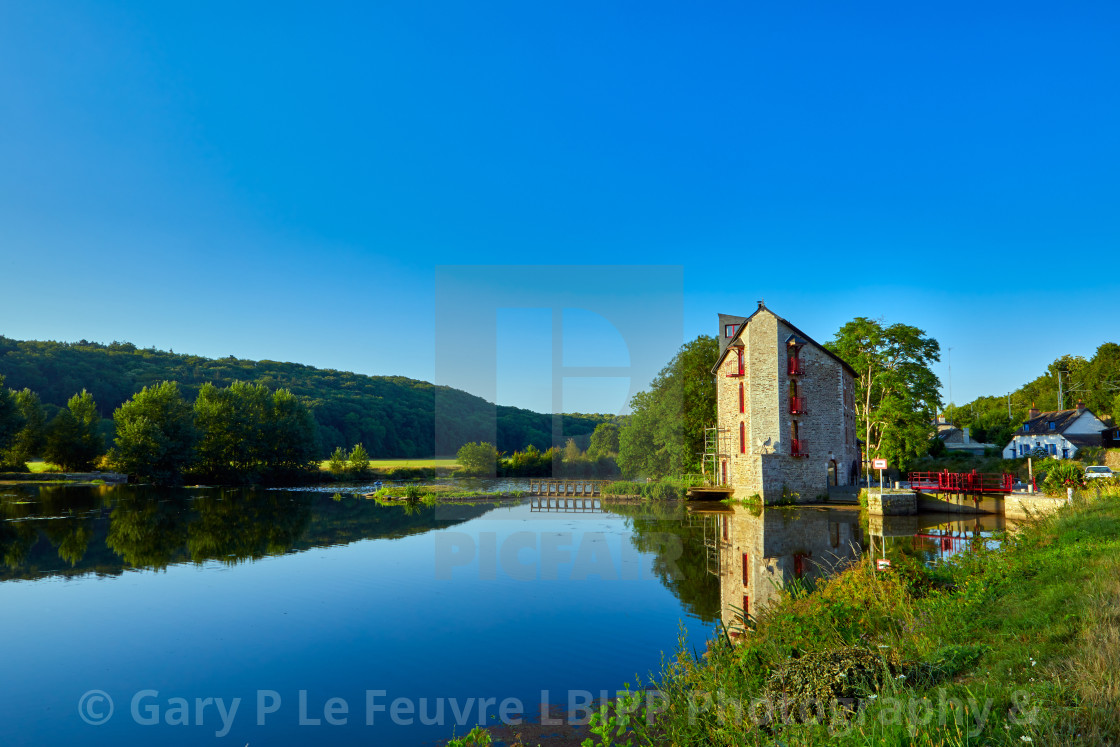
[[1064, 475]]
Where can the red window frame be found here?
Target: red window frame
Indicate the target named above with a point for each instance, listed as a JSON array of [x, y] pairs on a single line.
[[746, 607], [742, 438], [739, 356], [742, 402], [746, 568]]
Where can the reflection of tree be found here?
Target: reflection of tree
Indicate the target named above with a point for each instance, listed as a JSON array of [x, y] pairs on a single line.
[[16, 539], [70, 536], [244, 524], [681, 568], [146, 532]]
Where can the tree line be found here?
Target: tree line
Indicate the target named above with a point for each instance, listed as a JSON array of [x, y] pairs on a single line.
[[393, 416], [599, 460], [236, 434]]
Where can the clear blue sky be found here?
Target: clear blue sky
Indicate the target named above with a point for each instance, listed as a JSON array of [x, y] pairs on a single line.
[[277, 180]]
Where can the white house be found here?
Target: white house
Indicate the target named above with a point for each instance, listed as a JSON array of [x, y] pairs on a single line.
[[1060, 433]]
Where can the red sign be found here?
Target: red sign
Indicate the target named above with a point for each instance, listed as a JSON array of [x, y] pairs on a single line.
[[878, 464]]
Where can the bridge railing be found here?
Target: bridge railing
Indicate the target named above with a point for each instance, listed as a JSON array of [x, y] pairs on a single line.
[[962, 482]]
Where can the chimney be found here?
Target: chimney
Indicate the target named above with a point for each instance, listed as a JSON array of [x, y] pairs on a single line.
[[1033, 413], [1080, 407], [965, 430]]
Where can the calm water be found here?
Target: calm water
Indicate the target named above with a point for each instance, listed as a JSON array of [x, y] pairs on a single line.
[[289, 599], [316, 611]]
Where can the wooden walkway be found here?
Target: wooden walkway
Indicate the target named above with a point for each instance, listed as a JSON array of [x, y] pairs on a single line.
[[582, 488]]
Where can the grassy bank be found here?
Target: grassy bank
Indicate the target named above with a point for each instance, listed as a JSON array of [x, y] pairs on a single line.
[[433, 494], [1012, 646]]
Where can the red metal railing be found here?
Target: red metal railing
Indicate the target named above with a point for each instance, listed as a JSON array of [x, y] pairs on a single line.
[[796, 405], [795, 368], [799, 448], [962, 482]]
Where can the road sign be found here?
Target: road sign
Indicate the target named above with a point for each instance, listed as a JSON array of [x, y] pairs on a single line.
[[878, 464]]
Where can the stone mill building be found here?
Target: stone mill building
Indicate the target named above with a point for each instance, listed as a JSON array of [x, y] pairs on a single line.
[[786, 427]]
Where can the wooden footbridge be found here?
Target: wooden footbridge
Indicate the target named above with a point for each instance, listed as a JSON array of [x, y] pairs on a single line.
[[554, 488]]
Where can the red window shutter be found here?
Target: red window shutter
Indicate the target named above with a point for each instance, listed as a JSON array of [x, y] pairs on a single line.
[[742, 403], [739, 353], [746, 568], [742, 438], [746, 607]]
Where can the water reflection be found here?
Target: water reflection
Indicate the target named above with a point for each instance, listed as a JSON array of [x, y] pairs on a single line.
[[755, 553], [77, 530], [933, 537]]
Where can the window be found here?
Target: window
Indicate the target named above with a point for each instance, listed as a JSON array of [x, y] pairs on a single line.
[[1065, 453], [742, 402], [729, 330], [746, 569], [1025, 428], [1053, 449], [1052, 425], [742, 438], [746, 607], [739, 355]]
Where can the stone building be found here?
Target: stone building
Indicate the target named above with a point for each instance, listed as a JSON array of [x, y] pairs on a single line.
[[786, 412]]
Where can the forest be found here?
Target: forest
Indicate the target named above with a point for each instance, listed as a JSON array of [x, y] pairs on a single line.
[[392, 416]]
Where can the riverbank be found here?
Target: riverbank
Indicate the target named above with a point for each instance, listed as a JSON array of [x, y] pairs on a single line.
[[1010, 646]]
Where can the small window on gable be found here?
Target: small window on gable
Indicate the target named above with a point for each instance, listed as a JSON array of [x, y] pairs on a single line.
[[1052, 425], [729, 330]]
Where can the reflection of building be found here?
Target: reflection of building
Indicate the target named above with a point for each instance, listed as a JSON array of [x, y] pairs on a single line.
[[932, 536], [785, 409], [758, 555]]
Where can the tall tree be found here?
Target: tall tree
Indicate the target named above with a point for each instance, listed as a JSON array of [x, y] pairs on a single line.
[[28, 441], [604, 441], [72, 440], [665, 432], [897, 394], [155, 434], [10, 419]]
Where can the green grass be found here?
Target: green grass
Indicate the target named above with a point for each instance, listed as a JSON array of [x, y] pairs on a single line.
[[387, 464], [41, 466]]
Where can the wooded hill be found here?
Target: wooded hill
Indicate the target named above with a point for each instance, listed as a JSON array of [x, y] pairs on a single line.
[[393, 416]]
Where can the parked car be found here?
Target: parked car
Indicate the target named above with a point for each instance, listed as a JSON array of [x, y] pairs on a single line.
[[1093, 472]]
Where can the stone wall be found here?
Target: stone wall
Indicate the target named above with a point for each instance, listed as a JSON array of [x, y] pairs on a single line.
[[1025, 506], [892, 504], [1112, 459]]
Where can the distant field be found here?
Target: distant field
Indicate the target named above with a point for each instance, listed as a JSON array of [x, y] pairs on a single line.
[[43, 467], [393, 463]]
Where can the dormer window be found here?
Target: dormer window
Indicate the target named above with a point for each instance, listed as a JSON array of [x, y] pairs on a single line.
[[1052, 426], [729, 330], [1026, 428]]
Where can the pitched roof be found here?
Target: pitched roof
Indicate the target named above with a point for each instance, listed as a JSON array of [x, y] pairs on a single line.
[[955, 436], [724, 344], [1085, 439], [1039, 425]]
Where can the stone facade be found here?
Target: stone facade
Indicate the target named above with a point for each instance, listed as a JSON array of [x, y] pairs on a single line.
[[784, 433]]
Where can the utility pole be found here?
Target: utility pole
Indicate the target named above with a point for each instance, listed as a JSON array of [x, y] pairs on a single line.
[[949, 356], [1061, 399], [1009, 405]]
